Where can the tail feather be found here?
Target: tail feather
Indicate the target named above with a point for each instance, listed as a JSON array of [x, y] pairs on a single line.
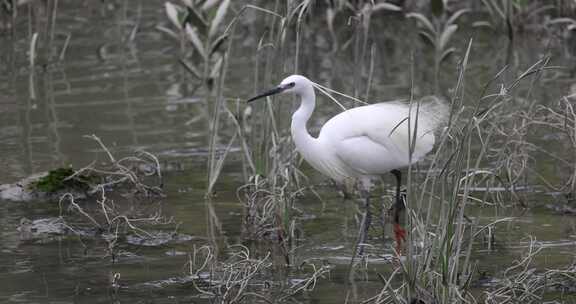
[[433, 113]]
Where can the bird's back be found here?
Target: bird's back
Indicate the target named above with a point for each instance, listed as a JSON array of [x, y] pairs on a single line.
[[374, 139]]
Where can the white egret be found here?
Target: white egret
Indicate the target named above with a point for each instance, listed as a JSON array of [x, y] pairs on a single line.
[[363, 143]]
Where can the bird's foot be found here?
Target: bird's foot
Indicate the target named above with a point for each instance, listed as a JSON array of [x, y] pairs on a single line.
[[399, 236]]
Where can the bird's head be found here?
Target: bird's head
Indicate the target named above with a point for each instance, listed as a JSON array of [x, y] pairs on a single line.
[[294, 84]]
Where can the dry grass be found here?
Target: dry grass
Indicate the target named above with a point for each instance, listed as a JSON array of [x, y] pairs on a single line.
[[243, 278]]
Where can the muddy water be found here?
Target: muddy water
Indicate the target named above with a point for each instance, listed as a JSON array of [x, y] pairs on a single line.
[[137, 96]]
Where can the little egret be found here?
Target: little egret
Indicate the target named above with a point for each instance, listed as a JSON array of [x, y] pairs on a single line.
[[363, 143]]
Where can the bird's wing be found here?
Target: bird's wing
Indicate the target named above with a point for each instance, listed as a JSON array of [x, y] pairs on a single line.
[[375, 139], [367, 156]]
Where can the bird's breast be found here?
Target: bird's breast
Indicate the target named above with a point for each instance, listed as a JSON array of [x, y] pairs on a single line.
[[325, 159]]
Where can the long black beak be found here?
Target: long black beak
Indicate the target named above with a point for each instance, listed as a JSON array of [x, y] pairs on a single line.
[[274, 91]]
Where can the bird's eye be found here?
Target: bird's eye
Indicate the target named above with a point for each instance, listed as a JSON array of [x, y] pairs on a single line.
[[290, 85]]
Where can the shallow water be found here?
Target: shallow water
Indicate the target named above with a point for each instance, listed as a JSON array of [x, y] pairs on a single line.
[[137, 96]]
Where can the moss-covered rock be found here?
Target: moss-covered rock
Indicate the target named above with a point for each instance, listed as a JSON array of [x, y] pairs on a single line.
[[58, 180], [48, 186]]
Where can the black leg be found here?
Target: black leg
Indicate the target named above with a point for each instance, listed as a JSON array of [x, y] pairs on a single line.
[[399, 232], [399, 205]]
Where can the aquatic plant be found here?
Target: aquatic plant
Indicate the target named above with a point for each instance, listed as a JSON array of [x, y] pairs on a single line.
[[511, 16], [438, 32], [199, 25], [557, 118], [522, 282], [242, 277], [58, 180]]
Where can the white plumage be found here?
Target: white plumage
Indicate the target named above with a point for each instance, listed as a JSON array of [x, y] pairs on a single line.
[[362, 143]]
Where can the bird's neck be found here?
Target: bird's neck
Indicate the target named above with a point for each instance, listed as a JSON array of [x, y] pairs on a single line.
[[303, 140]]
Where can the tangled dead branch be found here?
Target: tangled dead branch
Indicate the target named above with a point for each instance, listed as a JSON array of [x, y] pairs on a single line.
[[243, 278]]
